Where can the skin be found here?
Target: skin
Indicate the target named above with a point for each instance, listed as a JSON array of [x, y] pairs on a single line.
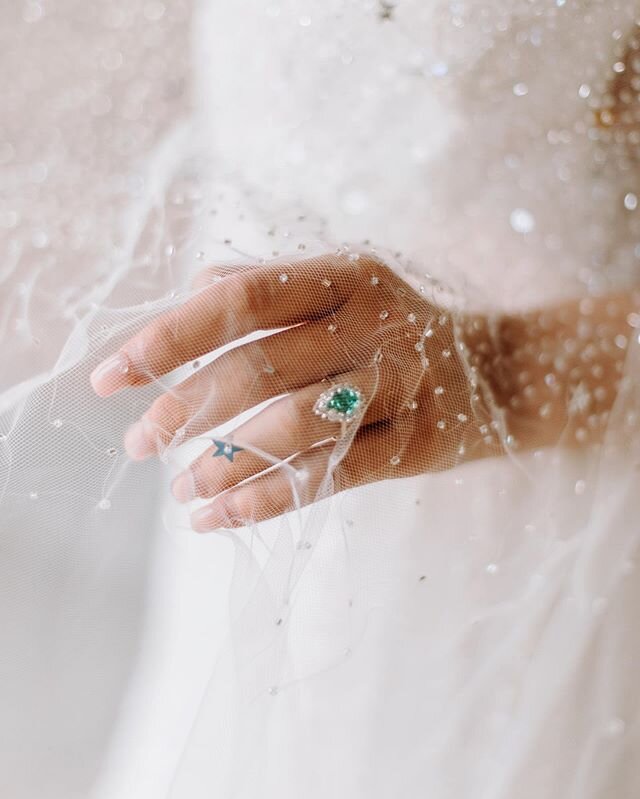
[[337, 320]]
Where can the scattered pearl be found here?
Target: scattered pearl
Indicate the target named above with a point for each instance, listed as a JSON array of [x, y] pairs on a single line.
[[633, 320], [522, 221], [628, 567], [439, 69], [32, 12], [545, 410], [614, 727], [621, 341]]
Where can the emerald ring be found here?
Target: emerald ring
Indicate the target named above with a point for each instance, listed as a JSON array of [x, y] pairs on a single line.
[[341, 403]]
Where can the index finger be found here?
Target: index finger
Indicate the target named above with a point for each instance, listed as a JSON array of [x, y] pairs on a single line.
[[249, 299]]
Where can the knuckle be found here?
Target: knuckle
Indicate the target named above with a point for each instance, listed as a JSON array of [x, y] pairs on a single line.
[[215, 475], [159, 345], [253, 295], [206, 277], [396, 387], [287, 417], [240, 504], [209, 479], [169, 411], [395, 381], [231, 369]]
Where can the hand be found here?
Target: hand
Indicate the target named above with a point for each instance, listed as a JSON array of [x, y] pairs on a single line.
[[340, 320]]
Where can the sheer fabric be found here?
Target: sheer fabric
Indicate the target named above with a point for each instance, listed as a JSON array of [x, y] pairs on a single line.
[[464, 626]]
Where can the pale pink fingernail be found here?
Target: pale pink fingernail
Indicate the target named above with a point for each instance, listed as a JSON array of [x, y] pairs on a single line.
[[183, 488], [220, 513], [137, 441], [111, 375], [208, 518]]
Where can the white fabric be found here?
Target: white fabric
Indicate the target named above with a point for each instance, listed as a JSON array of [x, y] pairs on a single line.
[[466, 634]]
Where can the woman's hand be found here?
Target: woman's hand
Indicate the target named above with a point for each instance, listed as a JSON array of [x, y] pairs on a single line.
[[341, 321]]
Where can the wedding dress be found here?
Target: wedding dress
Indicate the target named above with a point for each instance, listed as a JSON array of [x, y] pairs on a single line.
[[468, 633]]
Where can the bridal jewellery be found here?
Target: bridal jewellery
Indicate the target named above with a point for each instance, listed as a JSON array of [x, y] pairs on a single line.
[[341, 403], [225, 449]]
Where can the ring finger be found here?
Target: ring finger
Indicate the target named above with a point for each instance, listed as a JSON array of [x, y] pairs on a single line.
[[289, 426], [258, 371]]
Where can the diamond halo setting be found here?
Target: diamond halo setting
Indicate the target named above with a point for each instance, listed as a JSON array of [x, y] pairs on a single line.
[[342, 403]]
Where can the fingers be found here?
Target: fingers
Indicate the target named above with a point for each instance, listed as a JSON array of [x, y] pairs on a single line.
[[289, 426], [285, 428], [240, 379], [249, 299], [304, 480], [246, 376], [214, 274], [292, 485]]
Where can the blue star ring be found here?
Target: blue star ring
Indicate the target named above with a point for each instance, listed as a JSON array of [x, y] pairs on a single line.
[[224, 449]]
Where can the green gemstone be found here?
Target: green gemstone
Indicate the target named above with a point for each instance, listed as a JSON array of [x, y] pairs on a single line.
[[345, 400]]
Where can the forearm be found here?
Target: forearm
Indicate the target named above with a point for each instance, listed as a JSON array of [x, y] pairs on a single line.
[[554, 374]]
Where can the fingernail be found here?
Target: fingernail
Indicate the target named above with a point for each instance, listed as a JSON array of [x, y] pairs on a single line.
[[214, 516], [209, 518], [137, 442], [183, 488], [111, 375]]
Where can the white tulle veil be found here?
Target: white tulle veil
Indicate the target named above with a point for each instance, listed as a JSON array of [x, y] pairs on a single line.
[[465, 632]]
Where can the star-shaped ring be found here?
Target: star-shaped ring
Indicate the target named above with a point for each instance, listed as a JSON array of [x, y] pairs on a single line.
[[225, 449]]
